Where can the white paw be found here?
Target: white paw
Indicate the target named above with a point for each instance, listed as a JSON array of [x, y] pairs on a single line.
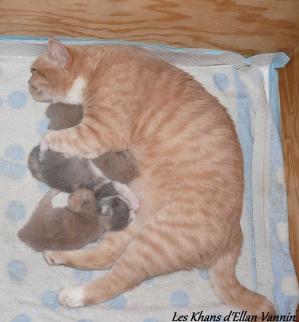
[[71, 296], [54, 258], [132, 214], [134, 202], [43, 145]]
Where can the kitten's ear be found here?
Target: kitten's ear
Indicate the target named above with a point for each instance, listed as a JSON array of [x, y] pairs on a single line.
[[59, 53]]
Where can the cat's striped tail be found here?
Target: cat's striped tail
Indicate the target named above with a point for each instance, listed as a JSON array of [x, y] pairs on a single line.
[[228, 288]]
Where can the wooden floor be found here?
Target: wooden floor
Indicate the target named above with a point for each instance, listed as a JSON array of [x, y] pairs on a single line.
[[246, 26]]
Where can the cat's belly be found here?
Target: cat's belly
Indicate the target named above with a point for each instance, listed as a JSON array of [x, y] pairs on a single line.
[[190, 180], [148, 201]]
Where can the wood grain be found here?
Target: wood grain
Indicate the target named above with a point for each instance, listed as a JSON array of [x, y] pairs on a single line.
[[289, 98], [289, 95], [246, 26]]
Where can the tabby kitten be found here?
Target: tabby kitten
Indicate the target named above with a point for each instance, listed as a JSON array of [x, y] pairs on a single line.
[[190, 186]]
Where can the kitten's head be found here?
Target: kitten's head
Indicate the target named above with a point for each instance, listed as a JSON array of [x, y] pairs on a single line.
[[83, 201], [114, 212], [56, 75]]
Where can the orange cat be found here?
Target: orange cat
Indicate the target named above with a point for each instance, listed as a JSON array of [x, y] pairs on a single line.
[[191, 172]]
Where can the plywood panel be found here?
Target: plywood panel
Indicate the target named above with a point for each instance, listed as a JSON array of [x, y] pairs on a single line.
[[289, 94], [246, 26]]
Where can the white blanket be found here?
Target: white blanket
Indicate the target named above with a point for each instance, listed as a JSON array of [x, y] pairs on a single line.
[[28, 291]]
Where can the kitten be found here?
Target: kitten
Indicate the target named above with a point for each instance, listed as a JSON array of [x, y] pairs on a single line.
[[117, 166], [190, 185], [70, 174], [76, 225]]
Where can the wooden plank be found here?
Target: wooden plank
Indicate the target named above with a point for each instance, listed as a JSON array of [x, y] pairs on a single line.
[[289, 97], [246, 26]]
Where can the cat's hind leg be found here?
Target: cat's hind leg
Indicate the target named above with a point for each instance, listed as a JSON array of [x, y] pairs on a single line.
[[163, 246], [100, 257]]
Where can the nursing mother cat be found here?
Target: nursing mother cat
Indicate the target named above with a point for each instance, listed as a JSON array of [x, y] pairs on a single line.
[[190, 185]]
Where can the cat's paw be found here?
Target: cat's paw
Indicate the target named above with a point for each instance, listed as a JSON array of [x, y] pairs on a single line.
[[43, 146], [72, 296], [134, 203], [54, 257], [54, 141], [132, 214]]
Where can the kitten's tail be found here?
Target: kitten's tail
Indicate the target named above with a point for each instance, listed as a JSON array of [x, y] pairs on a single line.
[[228, 288]]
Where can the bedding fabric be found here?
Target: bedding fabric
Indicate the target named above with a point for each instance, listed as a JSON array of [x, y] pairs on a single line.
[[248, 89]]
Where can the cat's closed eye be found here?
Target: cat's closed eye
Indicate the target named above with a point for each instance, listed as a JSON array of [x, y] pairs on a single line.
[[35, 71]]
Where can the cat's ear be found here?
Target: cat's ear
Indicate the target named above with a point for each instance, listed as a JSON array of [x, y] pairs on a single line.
[[59, 53]]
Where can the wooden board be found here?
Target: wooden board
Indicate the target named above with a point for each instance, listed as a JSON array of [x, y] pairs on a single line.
[[289, 98], [289, 95], [246, 26]]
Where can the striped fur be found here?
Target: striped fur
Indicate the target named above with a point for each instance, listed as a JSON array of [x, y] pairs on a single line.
[[190, 186]]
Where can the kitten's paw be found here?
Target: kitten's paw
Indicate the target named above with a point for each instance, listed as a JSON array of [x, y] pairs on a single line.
[[132, 214], [134, 202], [53, 140], [54, 257], [72, 296], [43, 146]]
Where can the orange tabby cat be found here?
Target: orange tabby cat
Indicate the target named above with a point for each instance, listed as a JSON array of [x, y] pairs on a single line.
[[191, 172]]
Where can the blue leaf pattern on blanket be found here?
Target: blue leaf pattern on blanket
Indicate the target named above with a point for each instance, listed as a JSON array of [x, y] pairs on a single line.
[[16, 270], [17, 100], [15, 152], [12, 170], [22, 318], [50, 300], [42, 126], [179, 299], [82, 276], [16, 210], [118, 303]]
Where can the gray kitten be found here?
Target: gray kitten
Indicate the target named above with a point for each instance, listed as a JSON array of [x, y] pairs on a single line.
[[118, 166], [70, 174]]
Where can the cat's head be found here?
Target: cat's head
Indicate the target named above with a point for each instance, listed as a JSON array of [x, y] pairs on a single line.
[[57, 75]]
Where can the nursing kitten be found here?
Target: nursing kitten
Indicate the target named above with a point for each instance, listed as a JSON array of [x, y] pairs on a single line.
[[190, 162], [73, 226], [71, 174], [118, 166]]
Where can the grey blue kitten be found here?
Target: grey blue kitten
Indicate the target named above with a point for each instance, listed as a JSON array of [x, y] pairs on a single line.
[[113, 198]]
